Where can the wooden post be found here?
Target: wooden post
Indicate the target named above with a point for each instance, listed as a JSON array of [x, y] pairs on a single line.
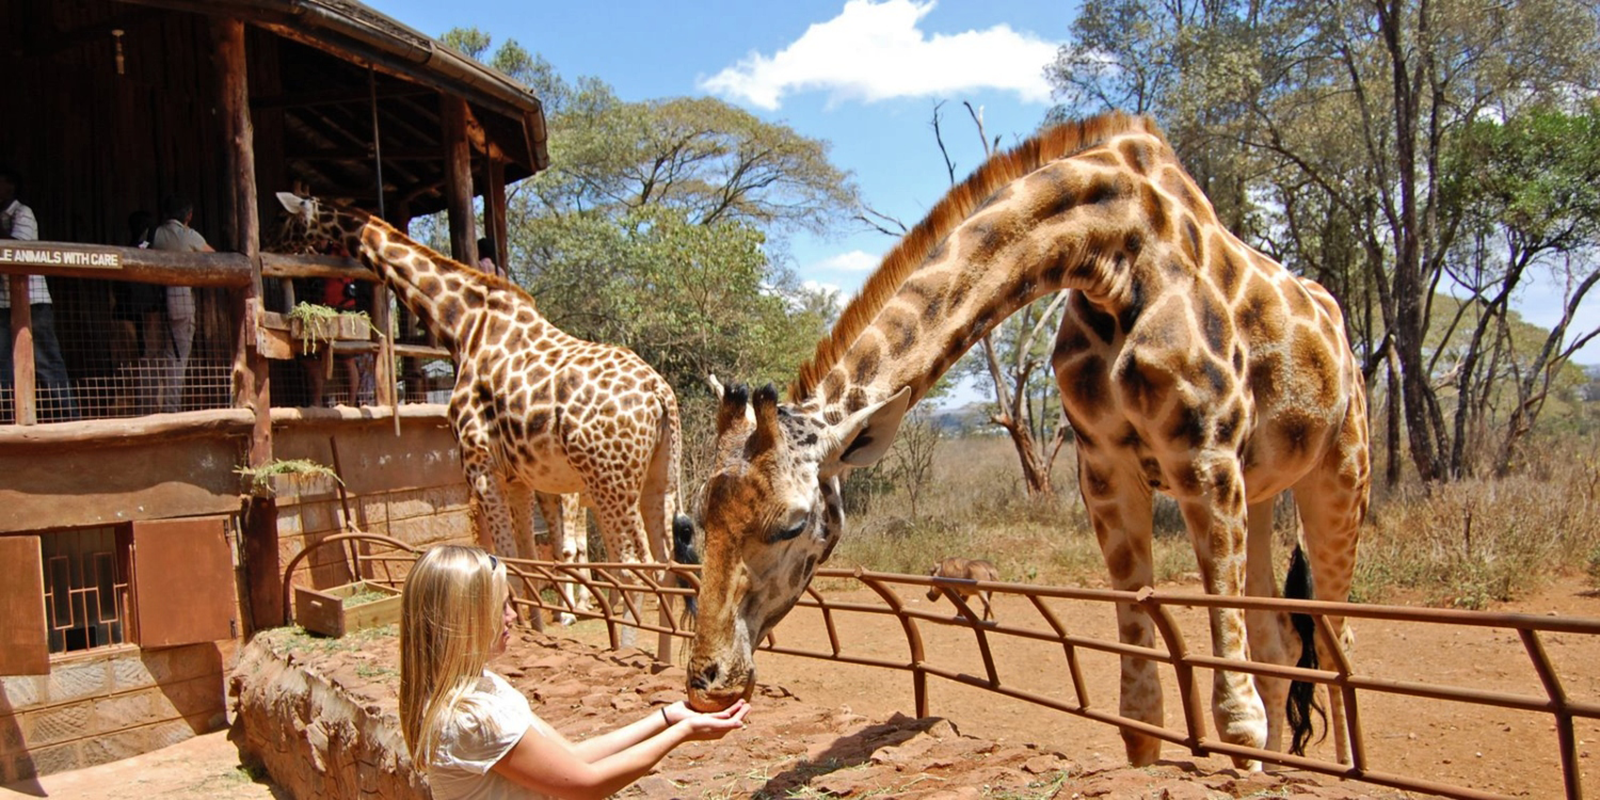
[[252, 387], [22, 383], [458, 179], [494, 210]]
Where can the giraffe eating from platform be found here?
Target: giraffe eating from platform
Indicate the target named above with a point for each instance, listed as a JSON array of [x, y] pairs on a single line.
[[1188, 363], [534, 409]]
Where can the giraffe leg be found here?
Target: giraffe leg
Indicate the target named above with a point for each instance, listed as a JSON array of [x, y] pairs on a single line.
[[552, 508], [624, 534], [1119, 506], [1269, 640], [1216, 522], [488, 489], [1333, 502], [658, 505], [574, 543]]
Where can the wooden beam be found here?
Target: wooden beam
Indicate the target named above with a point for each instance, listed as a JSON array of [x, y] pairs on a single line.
[[366, 154], [22, 385], [252, 382], [102, 262], [494, 209], [278, 265], [338, 96], [458, 179]]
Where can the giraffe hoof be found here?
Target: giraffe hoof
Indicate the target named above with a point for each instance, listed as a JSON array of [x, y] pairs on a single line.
[[565, 619]]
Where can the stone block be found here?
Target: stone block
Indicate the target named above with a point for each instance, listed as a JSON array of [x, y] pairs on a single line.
[[11, 741], [75, 680], [130, 710], [133, 741], [56, 724], [24, 691], [17, 767], [60, 758], [289, 520]]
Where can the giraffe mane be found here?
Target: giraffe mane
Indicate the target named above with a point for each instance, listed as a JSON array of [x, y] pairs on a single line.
[[1002, 168], [381, 224]]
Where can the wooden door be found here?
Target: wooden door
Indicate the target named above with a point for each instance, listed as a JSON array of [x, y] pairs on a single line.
[[183, 582]]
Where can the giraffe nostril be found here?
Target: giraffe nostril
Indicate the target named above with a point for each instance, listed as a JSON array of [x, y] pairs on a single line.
[[710, 673]]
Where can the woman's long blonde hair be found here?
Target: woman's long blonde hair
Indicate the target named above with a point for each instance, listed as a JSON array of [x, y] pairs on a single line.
[[451, 614]]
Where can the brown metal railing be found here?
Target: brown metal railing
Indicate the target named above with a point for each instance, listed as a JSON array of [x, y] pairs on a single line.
[[599, 578]]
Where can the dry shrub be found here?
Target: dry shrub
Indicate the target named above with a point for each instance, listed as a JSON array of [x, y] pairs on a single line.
[[1478, 541], [1417, 545]]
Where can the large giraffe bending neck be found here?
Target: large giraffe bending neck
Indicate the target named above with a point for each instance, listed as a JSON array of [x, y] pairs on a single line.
[[1023, 225], [1188, 362]]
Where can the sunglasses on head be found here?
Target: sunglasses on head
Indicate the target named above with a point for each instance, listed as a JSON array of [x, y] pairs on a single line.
[[494, 563]]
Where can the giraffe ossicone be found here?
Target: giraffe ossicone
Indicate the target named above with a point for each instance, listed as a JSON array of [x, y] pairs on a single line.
[[534, 409], [1188, 362]]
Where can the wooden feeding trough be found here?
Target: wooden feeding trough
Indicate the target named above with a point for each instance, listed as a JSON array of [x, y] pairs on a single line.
[[341, 609], [285, 336]]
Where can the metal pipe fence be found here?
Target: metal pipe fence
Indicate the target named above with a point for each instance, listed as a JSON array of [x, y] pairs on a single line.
[[629, 582]]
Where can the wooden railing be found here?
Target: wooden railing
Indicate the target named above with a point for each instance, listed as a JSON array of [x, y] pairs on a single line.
[[1530, 630]]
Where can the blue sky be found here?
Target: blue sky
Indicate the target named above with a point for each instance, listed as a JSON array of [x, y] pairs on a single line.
[[863, 75]]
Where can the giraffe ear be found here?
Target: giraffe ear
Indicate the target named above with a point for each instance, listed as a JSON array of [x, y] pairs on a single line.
[[863, 437], [716, 386], [303, 207]]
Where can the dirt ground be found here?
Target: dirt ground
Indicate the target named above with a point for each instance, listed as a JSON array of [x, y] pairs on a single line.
[[822, 729]]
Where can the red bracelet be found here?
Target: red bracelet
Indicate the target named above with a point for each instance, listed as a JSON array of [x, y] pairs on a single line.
[[664, 717]]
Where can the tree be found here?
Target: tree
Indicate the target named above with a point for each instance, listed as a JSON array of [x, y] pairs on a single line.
[[1532, 182]]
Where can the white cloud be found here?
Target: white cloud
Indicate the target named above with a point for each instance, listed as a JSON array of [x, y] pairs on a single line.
[[853, 261], [876, 51], [823, 286]]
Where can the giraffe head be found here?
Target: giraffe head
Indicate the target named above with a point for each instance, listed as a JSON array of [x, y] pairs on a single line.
[[771, 513], [308, 225]]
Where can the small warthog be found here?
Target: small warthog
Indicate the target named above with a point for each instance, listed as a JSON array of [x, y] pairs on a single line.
[[975, 569]]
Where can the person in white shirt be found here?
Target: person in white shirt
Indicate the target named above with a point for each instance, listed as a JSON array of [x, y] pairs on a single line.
[[169, 343], [472, 733], [17, 222]]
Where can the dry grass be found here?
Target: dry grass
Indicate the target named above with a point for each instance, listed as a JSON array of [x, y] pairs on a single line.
[[1464, 544]]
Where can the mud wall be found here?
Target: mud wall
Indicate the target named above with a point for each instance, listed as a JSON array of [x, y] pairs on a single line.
[[312, 737]]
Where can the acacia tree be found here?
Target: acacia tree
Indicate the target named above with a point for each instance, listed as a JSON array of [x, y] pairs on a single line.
[[1533, 184], [660, 224]]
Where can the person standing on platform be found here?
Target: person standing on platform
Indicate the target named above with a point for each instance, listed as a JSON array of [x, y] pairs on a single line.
[[169, 344], [17, 222]]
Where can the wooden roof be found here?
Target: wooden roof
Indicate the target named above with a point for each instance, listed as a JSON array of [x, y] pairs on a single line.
[[117, 100]]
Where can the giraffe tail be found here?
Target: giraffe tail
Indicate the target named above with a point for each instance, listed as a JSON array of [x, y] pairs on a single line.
[[684, 552], [1302, 694]]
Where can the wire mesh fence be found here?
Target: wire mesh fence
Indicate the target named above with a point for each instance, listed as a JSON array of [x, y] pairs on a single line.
[[110, 349]]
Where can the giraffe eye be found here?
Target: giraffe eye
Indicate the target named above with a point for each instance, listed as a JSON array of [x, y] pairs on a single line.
[[788, 533]]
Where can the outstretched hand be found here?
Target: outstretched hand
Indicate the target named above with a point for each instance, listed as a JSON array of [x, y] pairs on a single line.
[[706, 727]]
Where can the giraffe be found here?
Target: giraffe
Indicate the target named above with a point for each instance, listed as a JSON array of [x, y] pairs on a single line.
[[1188, 363], [534, 409], [566, 521]]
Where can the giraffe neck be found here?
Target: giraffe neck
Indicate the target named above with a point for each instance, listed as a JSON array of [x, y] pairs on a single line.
[[447, 297], [1076, 223]]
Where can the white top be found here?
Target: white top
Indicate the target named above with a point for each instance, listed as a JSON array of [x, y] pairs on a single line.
[[17, 222], [174, 235], [489, 722]]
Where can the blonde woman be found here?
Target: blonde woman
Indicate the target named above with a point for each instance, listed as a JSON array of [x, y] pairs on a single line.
[[472, 733]]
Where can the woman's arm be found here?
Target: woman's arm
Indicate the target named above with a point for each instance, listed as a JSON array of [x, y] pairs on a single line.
[[556, 767], [657, 721]]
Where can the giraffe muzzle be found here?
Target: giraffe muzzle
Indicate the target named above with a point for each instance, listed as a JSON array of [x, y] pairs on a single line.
[[711, 688]]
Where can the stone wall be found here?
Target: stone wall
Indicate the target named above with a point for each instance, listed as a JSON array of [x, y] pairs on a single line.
[[409, 488], [314, 738], [108, 705]]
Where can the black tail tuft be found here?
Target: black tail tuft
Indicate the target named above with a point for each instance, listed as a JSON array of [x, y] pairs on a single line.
[[683, 552], [1302, 694]]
